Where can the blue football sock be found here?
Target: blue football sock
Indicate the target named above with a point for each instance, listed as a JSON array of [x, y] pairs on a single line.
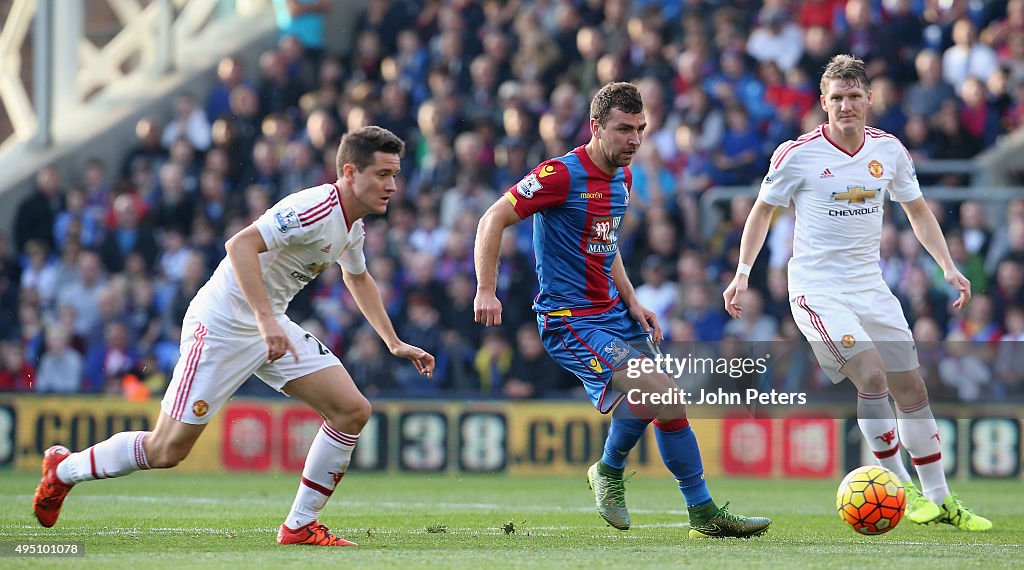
[[679, 451], [622, 436]]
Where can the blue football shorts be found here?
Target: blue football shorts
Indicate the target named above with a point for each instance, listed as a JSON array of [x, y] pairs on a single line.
[[594, 347]]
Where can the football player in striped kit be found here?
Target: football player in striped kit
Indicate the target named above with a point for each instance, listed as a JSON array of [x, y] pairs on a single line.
[[588, 314]]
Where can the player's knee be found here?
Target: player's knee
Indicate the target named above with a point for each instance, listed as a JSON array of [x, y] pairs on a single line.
[[360, 413], [908, 391], [872, 380], [350, 417]]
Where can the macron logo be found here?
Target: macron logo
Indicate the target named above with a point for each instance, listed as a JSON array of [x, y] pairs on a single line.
[[327, 248], [827, 174]]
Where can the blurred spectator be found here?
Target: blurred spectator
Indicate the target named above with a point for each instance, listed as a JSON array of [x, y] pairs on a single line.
[[979, 118], [370, 364], [230, 73], [303, 19], [1009, 286], [925, 97], [37, 212], [885, 107], [16, 374], [1009, 364], [967, 57], [819, 47], [40, 273], [278, 92], [532, 373], [974, 226], [83, 293], [776, 39], [172, 208], [109, 360], [189, 122], [863, 37], [700, 310], [656, 293], [978, 325], [755, 326], [127, 236], [972, 265], [60, 368], [736, 161], [962, 369], [493, 362], [931, 351], [148, 148], [78, 222]]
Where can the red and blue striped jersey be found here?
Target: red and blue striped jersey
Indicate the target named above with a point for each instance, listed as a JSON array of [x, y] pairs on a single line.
[[579, 209]]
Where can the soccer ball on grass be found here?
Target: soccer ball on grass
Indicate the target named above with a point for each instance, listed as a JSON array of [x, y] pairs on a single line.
[[871, 500]]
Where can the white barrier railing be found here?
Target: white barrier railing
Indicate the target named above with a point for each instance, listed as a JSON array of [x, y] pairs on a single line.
[[147, 44]]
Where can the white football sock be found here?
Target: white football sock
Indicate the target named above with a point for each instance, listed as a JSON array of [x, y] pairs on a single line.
[[921, 438], [120, 455], [326, 463], [878, 424]]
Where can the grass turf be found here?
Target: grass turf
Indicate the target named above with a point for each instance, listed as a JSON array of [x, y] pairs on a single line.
[[178, 520]]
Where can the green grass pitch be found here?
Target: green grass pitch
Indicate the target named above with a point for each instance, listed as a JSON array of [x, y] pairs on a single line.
[[180, 520]]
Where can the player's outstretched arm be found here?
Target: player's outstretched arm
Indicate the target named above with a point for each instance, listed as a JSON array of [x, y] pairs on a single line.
[[367, 296], [755, 230], [929, 233], [486, 306], [243, 251]]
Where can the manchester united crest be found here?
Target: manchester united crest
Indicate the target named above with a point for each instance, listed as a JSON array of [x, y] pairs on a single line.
[[848, 341], [875, 169], [200, 407]]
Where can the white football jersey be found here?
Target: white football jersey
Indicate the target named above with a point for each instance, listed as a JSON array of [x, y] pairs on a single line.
[[305, 232], [839, 202]]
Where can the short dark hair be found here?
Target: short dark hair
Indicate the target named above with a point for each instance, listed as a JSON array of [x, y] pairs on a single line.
[[621, 95], [847, 68], [358, 146]]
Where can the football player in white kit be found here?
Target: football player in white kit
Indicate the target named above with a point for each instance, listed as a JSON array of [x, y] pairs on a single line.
[[837, 176], [236, 326]]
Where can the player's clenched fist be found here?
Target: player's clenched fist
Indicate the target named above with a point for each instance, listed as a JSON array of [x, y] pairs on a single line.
[[487, 309]]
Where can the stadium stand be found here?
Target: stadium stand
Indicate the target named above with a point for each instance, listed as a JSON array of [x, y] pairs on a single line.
[[103, 264]]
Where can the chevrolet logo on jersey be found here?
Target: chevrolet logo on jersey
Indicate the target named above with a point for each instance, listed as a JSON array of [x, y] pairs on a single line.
[[854, 194]]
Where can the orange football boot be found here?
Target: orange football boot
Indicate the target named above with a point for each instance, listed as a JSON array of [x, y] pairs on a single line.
[[313, 533], [51, 491]]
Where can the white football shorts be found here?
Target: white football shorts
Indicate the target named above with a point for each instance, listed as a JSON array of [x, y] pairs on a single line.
[[840, 326], [215, 361]]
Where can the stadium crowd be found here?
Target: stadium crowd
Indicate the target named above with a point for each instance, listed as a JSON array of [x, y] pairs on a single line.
[[96, 277]]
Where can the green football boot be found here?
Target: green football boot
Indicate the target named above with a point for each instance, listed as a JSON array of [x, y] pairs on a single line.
[[610, 495], [710, 521], [955, 513], [920, 509]]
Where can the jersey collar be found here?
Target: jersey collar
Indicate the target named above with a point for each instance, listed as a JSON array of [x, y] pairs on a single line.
[[341, 204], [824, 133]]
